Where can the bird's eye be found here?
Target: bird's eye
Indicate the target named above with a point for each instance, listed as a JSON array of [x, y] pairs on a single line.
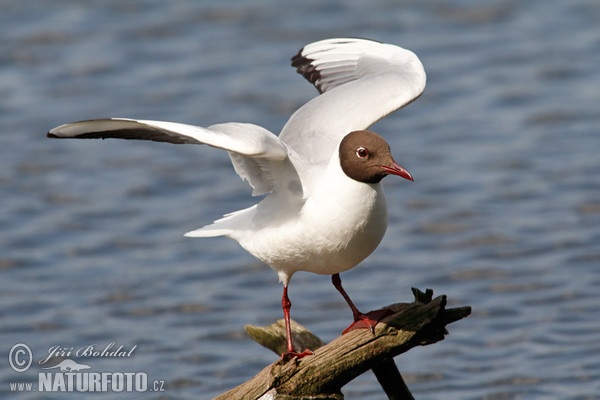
[[361, 152]]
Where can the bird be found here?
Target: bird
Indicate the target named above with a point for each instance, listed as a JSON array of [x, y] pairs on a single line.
[[323, 208]]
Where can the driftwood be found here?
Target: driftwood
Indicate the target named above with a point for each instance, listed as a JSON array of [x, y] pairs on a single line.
[[322, 375]]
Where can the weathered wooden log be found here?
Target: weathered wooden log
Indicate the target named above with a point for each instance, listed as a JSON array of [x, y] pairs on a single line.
[[322, 375]]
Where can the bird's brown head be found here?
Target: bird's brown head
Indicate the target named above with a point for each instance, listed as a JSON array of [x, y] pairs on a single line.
[[365, 157]]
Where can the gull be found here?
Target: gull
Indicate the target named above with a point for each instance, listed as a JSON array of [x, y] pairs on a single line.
[[323, 208]]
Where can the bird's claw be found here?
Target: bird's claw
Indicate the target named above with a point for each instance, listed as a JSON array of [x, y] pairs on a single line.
[[288, 355], [368, 320]]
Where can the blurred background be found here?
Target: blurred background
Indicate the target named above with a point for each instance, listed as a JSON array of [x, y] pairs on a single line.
[[504, 213]]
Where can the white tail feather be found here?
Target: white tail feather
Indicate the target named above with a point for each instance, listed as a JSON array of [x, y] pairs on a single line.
[[226, 226]]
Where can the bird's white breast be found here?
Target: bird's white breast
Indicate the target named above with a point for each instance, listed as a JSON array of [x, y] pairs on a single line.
[[341, 222]]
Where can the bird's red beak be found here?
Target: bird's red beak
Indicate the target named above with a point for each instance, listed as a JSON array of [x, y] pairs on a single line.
[[396, 169]]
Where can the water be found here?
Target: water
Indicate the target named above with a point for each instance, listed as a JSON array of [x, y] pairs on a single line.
[[504, 214]]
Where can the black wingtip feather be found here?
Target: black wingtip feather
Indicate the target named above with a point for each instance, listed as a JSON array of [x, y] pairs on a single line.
[[146, 133], [305, 68]]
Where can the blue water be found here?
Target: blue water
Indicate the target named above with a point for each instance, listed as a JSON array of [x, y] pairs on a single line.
[[504, 213]]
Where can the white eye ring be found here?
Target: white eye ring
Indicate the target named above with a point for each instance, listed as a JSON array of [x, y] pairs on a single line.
[[361, 152]]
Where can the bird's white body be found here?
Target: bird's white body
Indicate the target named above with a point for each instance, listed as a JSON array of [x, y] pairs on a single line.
[[337, 226]]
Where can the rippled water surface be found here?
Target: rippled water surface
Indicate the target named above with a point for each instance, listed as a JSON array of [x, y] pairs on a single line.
[[504, 213]]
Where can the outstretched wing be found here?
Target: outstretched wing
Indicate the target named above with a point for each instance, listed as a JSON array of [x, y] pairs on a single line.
[[257, 155], [360, 81]]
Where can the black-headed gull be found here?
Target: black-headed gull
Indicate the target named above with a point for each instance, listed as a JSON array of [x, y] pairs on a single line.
[[324, 209]]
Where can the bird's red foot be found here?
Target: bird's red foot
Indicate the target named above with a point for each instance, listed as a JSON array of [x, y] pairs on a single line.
[[288, 355], [368, 320]]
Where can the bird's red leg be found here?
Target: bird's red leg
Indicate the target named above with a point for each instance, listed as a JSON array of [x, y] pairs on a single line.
[[368, 320], [337, 282], [286, 304]]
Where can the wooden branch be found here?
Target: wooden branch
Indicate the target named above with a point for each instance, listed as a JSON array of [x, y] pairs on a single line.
[[322, 375], [391, 381]]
